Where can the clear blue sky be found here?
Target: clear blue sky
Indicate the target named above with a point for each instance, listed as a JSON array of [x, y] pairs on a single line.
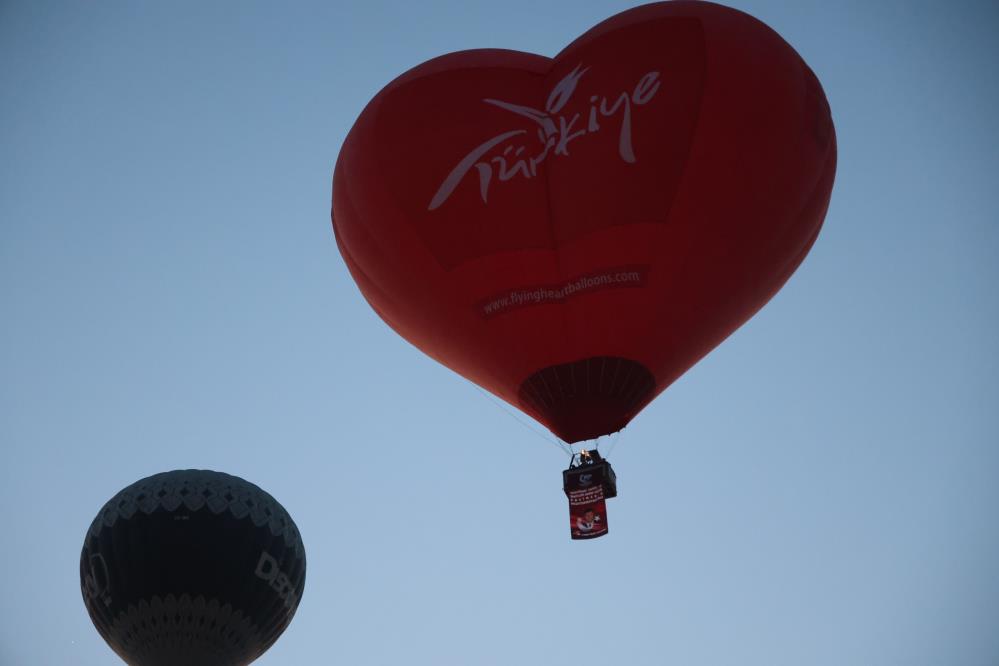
[[823, 489]]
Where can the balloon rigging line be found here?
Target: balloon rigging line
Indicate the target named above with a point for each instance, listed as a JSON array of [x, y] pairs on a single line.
[[565, 449], [614, 441]]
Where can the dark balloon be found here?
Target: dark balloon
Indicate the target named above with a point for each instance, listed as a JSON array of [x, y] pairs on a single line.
[[192, 568], [574, 233]]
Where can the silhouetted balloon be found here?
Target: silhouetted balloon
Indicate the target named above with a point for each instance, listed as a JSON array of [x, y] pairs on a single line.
[[192, 568], [574, 233]]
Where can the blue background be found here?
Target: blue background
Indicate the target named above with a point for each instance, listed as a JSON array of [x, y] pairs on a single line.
[[821, 489]]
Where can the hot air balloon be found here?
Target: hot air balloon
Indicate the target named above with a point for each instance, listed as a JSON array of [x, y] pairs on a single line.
[[573, 233], [192, 567]]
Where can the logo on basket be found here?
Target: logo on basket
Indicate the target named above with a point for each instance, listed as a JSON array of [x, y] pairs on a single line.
[[584, 479], [555, 129]]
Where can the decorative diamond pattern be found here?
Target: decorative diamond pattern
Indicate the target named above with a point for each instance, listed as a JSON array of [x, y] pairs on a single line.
[[195, 490]]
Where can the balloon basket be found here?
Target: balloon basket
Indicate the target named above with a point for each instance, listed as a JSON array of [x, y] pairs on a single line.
[[589, 481]]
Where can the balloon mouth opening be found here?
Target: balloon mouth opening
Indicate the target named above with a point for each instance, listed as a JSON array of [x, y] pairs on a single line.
[[588, 398]]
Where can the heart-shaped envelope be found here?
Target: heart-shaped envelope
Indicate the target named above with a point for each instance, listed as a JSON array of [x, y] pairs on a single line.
[[574, 233]]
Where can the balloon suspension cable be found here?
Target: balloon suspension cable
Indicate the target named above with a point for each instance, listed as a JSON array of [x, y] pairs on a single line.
[[593, 445], [566, 448], [615, 438]]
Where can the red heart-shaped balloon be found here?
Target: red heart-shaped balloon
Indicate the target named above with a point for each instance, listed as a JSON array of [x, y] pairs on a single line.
[[574, 233]]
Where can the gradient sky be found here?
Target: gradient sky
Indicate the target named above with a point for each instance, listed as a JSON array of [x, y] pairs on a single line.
[[822, 489]]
